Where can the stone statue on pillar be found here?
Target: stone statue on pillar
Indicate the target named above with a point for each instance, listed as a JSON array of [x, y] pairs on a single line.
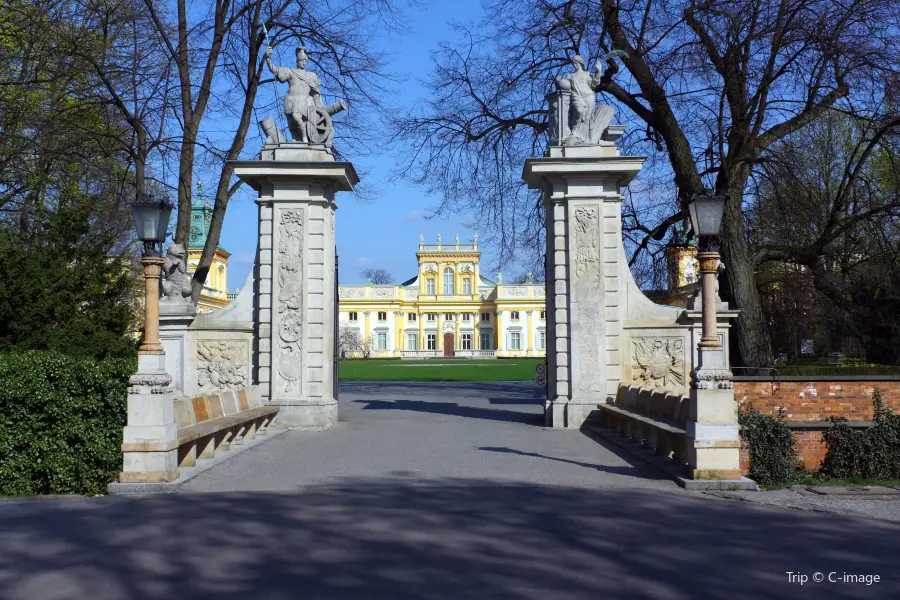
[[176, 285], [575, 120], [309, 120]]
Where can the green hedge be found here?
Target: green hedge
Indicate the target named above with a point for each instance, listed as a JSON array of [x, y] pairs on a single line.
[[61, 420], [871, 453], [774, 456]]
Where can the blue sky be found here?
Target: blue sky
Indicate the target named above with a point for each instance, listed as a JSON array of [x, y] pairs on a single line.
[[382, 232]]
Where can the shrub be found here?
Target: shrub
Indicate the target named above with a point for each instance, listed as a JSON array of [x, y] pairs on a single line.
[[773, 451], [61, 420], [872, 453]]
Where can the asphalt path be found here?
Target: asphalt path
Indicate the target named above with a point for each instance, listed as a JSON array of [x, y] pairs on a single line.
[[443, 491]]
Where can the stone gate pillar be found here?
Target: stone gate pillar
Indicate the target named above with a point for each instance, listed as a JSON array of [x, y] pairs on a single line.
[[585, 283], [295, 270]]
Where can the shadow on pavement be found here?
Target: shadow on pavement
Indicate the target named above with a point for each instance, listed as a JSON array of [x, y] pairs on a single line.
[[403, 538], [454, 409], [634, 468]]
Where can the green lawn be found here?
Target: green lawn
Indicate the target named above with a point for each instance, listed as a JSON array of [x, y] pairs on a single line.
[[514, 369]]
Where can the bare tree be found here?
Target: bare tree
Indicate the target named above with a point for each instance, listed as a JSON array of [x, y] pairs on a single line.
[[707, 84], [216, 48], [377, 276], [351, 343], [133, 75]]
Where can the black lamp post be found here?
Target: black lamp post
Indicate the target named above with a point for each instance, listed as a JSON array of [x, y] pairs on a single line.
[[151, 221], [707, 210]]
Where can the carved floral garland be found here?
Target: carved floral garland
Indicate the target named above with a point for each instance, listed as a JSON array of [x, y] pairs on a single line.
[[290, 299]]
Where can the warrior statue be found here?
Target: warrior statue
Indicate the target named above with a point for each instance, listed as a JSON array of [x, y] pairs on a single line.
[[308, 119], [585, 124]]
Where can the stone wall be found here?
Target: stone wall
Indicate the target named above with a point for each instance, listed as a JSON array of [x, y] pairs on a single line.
[[810, 401]]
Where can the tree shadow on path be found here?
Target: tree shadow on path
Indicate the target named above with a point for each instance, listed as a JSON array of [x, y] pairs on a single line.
[[633, 469], [454, 409], [403, 538]]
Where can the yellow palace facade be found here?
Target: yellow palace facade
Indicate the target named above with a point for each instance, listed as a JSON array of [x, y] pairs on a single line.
[[448, 309]]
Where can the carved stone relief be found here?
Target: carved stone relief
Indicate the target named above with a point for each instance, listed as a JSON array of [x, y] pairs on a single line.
[[290, 298], [538, 291], [410, 294], [587, 243], [349, 292], [589, 317], [222, 364], [382, 292], [658, 362], [518, 291]]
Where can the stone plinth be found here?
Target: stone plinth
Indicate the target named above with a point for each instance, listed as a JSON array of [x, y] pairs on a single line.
[[174, 320], [713, 433], [150, 438], [294, 314], [587, 277]]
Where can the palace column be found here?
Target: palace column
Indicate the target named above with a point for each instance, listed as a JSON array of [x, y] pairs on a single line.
[[501, 347], [398, 332], [422, 345], [456, 342], [529, 351], [367, 338], [295, 278], [476, 332]]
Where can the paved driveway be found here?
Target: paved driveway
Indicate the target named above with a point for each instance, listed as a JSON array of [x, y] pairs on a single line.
[[434, 491]]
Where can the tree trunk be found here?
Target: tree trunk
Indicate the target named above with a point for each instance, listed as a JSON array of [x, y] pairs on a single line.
[[185, 182], [754, 345]]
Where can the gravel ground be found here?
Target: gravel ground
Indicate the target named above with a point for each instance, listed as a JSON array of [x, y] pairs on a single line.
[[799, 497]]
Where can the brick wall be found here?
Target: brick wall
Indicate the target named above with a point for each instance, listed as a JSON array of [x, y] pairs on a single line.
[[814, 400]]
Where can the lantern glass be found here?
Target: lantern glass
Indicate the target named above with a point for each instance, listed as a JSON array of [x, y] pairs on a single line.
[[707, 211], [151, 219]]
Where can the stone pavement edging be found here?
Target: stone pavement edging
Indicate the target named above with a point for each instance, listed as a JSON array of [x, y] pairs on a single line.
[[187, 473], [665, 465]]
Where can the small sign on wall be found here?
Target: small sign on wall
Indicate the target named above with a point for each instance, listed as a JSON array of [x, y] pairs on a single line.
[[540, 371]]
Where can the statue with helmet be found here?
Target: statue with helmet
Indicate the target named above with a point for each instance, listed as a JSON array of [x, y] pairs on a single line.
[[309, 119]]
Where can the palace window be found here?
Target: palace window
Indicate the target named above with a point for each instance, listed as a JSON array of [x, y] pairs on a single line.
[[515, 341], [381, 341], [542, 340], [448, 316], [514, 315], [412, 341], [466, 317], [352, 316], [466, 340], [485, 341], [467, 285], [432, 317], [382, 316], [429, 286], [485, 316], [411, 317], [543, 315], [431, 339], [448, 281]]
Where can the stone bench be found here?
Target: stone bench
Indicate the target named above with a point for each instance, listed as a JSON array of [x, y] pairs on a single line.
[[655, 418], [213, 422]]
